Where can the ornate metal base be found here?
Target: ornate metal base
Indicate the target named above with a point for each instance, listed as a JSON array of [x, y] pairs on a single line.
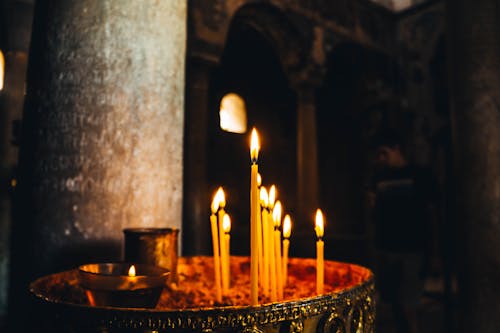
[[350, 309]]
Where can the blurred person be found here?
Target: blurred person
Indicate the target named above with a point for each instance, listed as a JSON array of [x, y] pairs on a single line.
[[402, 196]]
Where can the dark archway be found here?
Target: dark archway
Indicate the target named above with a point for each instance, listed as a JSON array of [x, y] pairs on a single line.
[[251, 68], [353, 103]]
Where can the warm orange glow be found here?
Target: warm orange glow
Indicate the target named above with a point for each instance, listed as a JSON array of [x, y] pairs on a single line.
[[287, 226], [272, 196], [319, 228], [2, 69], [259, 180], [264, 198], [131, 271], [226, 224], [215, 203], [277, 214], [222, 198], [219, 200], [254, 146]]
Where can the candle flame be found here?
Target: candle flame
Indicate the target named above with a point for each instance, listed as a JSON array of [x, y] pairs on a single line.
[[226, 223], [272, 196], [215, 203], [2, 69], [221, 197], [259, 180], [219, 200], [254, 146], [131, 271], [319, 228], [287, 226], [277, 214], [264, 198]]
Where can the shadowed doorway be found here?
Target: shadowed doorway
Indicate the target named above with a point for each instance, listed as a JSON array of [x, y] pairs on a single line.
[[349, 112], [250, 68]]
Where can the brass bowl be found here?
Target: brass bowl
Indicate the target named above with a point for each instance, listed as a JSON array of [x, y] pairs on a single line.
[[349, 309], [108, 284]]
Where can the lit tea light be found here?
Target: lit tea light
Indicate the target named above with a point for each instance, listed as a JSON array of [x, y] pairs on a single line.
[[123, 285]]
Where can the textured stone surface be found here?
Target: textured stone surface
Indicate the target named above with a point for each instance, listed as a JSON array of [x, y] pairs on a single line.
[[476, 126], [106, 84]]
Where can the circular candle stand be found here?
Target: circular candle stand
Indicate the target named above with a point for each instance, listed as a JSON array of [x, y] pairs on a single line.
[[347, 306]]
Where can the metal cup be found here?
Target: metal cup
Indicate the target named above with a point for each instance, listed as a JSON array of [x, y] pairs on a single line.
[[154, 246]]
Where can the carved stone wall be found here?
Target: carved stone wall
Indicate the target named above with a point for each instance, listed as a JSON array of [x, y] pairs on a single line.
[[312, 26]]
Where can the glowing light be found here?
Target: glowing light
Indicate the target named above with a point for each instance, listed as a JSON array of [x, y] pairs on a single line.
[[233, 114], [319, 228], [264, 198], [259, 180], [226, 224], [277, 214], [219, 200], [2, 69], [287, 226], [131, 271], [254, 146], [222, 197], [272, 196]]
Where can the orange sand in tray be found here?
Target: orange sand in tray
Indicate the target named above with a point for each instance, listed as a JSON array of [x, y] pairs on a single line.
[[196, 287]]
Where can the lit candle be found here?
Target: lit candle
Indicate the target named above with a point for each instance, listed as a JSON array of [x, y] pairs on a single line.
[[320, 272], [287, 230], [277, 247], [259, 235], [222, 244], [272, 258], [264, 201], [226, 225], [131, 271], [215, 245], [254, 210], [272, 196]]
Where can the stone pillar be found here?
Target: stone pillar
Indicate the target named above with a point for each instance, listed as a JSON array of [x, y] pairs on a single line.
[[11, 107], [197, 200], [307, 157], [102, 130], [475, 80]]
